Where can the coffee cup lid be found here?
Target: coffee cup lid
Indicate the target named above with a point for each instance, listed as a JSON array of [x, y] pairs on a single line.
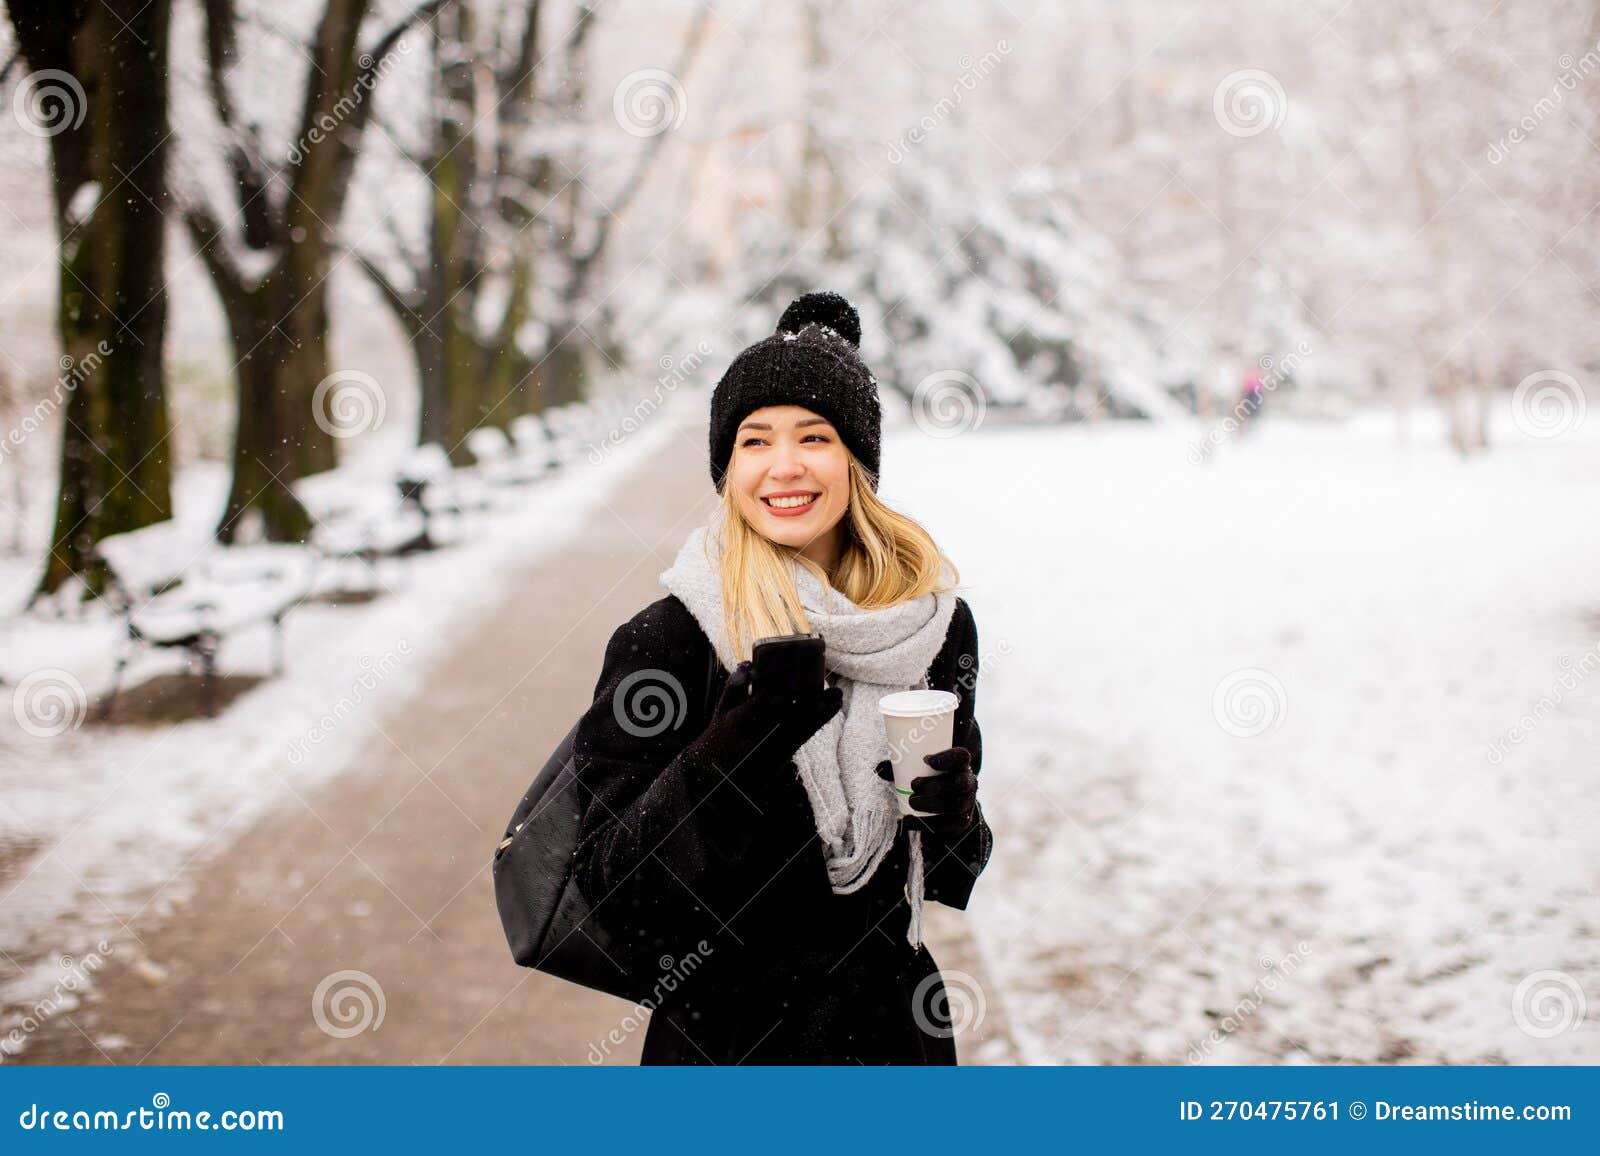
[[919, 703]]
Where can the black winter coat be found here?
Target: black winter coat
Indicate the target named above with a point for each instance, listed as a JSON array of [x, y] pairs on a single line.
[[718, 885]]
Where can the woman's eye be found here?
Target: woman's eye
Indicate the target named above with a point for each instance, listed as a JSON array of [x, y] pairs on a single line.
[[753, 440]]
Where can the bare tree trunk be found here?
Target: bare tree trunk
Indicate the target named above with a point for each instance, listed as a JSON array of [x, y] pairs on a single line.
[[279, 325], [1482, 392], [11, 411], [111, 306], [272, 442], [819, 185], [545, 228], [280, 329]]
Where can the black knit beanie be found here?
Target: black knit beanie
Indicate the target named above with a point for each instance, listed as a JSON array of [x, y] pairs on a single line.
[[811, 361]]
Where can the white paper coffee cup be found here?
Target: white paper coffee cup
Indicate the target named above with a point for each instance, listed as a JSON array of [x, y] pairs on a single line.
[[917, 723]]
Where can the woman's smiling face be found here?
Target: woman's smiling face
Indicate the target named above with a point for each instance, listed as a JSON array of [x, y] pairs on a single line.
[[790, 476]]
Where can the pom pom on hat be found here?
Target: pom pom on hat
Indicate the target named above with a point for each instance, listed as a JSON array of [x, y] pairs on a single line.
[[824, 308]]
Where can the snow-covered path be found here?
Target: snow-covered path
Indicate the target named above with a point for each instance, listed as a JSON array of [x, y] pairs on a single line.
[[100, 824], [1265, 752], [1388, 870]]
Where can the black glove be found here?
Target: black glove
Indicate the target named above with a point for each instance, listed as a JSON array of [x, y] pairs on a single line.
[[950, 796], [765, 728]]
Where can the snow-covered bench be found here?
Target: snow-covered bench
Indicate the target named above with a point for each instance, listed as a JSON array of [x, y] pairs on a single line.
[[567, 432], [433, 486], [536, 440], [359, 518], [573, 426], [501, 462], [175, 587]]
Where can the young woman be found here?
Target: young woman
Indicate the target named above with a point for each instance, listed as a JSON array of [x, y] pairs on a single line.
[[754, 853]]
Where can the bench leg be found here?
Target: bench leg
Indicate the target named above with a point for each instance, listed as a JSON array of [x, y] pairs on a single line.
[[124, 656], [277, 644], [206, 648]]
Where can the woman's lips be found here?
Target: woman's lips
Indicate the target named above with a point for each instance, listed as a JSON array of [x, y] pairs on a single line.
[[792, 511]]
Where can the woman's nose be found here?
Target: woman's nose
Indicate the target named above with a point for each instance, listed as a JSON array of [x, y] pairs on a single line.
[[786, 464]]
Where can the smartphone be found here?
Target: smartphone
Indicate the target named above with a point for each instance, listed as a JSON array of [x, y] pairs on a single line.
[[788, 665]]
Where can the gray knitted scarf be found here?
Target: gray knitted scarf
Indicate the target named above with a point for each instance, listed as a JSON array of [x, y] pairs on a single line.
[[874, 653]]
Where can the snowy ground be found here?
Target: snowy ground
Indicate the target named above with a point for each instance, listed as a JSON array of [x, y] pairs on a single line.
[[98, 822], [1388, 871], [1398, 867]]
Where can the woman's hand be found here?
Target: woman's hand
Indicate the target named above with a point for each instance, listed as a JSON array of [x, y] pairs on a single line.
[[950, 797], [758, 728]]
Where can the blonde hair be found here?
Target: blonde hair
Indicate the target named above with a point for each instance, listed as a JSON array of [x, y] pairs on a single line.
[[886, 558]]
